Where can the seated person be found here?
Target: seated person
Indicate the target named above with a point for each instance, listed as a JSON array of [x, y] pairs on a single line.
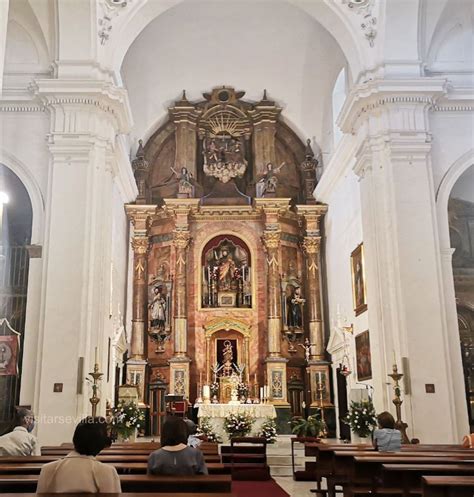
[[193, 439], [175, 457], [79, 471], [20, 441], [467, 441], [386, 438]]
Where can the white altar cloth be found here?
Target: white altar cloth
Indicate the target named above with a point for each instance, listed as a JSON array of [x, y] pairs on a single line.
[[217, 412]]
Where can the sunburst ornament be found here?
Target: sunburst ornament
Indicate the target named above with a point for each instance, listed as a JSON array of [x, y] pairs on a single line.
[[224, 123]]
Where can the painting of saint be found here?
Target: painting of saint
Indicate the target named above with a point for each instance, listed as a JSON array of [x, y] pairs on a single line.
[[358, 280], [363, 357]]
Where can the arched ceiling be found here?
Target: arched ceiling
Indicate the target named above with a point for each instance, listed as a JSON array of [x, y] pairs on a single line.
[[248, 45]]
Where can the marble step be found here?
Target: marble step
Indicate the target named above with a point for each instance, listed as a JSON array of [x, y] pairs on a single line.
[[283, 470], [284, 460]]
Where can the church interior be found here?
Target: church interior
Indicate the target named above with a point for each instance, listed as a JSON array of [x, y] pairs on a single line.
[[250, 211]]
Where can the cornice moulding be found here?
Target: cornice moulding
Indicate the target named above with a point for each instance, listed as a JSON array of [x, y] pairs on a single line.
[[374, 94], [103, 95]]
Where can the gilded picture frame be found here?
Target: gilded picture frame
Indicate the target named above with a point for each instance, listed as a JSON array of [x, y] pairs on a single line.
[[363, 356], [359, 288]]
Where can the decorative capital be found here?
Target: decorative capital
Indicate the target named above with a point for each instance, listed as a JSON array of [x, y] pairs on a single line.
[[311, 244], [181, 238], [139, 245], [271, 239]]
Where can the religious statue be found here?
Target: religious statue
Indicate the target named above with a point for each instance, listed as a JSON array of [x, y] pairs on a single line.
[[158, 310], [227, 269], [185, 182], [223, 157], [307, 349], [227, 359], [294, 305], [308, 171], [267, 185]]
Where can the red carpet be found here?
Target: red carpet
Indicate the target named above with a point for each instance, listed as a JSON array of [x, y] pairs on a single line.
[[257, 489]]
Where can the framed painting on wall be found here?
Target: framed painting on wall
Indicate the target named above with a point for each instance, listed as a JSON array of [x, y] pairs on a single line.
[[359, 290], [363, 357]]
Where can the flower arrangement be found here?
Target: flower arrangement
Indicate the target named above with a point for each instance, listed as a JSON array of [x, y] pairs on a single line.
[[243, 390], [205, 429], [238, 425], [268, 431], [126, 416], [361, 417], [214, 388], [313, 426]]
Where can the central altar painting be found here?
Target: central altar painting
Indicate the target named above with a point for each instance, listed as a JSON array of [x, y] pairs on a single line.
[[226, 257]]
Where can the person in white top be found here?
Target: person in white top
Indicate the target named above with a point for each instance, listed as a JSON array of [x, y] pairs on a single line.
[[79, 471], [20, 441]]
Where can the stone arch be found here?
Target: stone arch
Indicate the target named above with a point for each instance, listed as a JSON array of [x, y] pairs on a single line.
[[329, 16], [36, 197]]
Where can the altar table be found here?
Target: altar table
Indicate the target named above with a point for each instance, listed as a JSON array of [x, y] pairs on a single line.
[[217, 412]]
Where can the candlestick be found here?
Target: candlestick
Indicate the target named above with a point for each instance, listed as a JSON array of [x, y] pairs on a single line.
[[397, 401], [96, 376]]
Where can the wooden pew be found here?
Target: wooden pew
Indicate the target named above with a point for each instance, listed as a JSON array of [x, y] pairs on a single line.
[[136, 483], [448, 486], [408, 476], [34, 468], [125, 494]]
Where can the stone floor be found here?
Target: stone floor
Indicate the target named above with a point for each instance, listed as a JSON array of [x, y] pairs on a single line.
[[295, 488]]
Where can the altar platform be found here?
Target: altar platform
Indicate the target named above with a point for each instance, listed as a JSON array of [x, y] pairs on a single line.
[[218, 412]]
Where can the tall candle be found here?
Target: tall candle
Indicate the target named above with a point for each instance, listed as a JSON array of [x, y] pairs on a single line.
[[394, 358], [96, 356], [255, 378], [206, 392], [261, 393]]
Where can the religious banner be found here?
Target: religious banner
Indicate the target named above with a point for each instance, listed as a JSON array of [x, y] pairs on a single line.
[[9, 355]]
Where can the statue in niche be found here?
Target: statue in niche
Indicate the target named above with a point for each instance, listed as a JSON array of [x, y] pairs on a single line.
[[294, 307], [227, 270], [158, 310], [227, 359], [267, 185], [226, 276]]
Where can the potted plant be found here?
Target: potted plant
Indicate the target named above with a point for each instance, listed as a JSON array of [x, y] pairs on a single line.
[[268, 431], [362, 419], [126, 419], [238, 424], [308, 429]]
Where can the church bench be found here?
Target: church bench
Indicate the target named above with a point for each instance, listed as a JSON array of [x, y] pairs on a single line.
[[408, 477], [209, 458], [448, 486], [136, 483], [342, 468], [125, 494], [121, 467]]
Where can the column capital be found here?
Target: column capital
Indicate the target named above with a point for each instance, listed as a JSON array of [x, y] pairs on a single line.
[[181, 238], [311, 216], [271, 239], [140, 215], [311, 244], [140, 245]]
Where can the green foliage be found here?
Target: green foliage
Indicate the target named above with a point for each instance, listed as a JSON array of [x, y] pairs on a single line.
[[311, 427], [361, 418], [238, 425], [268, 430], [205, 428]]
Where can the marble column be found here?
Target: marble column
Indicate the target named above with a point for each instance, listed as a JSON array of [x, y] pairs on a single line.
[[136, 364], [275, 363], [318, 367], [179, 363]]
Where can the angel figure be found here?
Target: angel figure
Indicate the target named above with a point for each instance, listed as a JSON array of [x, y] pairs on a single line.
[[268, 183], [185, 181]]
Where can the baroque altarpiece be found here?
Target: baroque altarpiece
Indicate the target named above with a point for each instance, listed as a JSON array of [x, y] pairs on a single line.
[[226, 255]]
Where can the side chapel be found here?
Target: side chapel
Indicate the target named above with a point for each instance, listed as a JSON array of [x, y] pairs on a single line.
[[227, 258]]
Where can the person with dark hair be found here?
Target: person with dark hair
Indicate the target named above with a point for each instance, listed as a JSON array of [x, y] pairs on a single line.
[[175, 457], [79, 471], [20, 441], [387, 438]]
